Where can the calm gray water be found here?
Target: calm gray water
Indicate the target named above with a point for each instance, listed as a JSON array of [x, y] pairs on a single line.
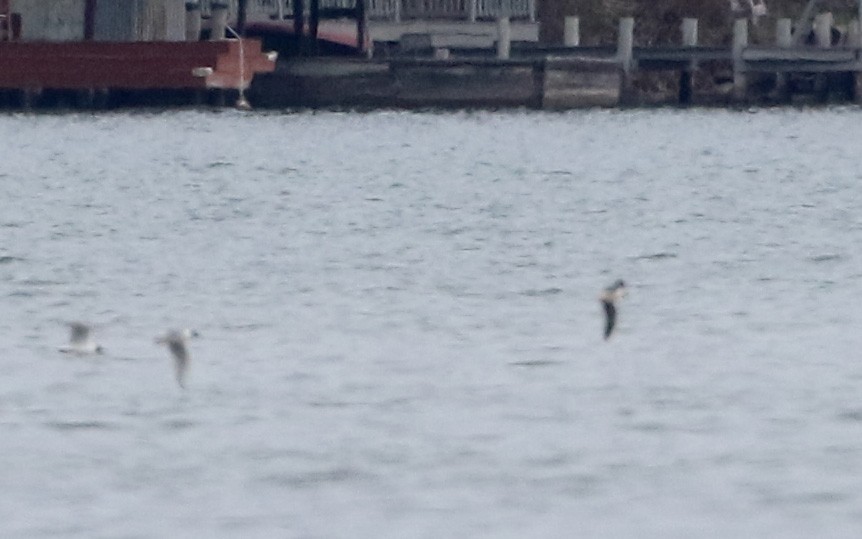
[[400, 328]]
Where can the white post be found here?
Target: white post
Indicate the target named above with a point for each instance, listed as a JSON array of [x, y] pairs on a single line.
[[823, 30], [504, 38], [280, 9], [218, 20], [784, 40], [740, 41], [472, 9], [572, 31], [784, 33], [689, 39], [689, 32], [193, 21], [625, 43], [857, 42], [854, 34], [689, 36]]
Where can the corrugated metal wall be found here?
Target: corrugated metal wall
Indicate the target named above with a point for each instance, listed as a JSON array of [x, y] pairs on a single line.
[[115, 20], [140, 20], [50, 20]]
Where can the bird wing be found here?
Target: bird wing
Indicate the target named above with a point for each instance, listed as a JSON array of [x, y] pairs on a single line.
[[178, 349], [79, 332], [181, 360], [610, 317]]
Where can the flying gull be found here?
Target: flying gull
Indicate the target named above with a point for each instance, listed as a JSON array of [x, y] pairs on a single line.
[[609, 298], [176, 343], [80, 341]]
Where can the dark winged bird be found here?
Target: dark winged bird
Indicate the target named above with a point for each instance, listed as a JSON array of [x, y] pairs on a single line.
[[176, 341], [609, 298]]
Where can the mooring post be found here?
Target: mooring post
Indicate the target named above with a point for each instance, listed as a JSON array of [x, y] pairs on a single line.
[[689, 32], [783, 40], [241, 16], [625, 54], [784, 33], [854, 34], [740, 41], [504, 38], [823, 30], [299, 24], [218, 20], [572, 31], [363, 44], [855, 40], [313, 26], [823, 38], [193, 21], [689, 39]]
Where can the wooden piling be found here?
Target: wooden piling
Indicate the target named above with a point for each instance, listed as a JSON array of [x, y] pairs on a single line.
[[689, 39], [362, 27], [572, 31], [193, 21], [823, 39], [784, 40], [313, 27], [218, 20], [854, 34], [854, 39], [740, 42], [625, 54], [299, 23], [823, 30], [504, 38], [784, 33]]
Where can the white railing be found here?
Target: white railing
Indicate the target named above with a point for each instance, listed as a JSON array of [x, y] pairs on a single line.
[[395, 10]]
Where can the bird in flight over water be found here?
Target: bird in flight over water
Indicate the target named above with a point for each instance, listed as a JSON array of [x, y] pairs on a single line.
[[80, 341], [176, 341], [609, 298]]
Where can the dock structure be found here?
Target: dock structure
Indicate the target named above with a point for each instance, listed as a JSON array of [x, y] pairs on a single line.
[[497, 61], [87, 53], [486, 59], [427, 72]]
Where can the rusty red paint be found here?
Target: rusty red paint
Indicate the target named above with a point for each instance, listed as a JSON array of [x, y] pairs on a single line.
[[140, 65]]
